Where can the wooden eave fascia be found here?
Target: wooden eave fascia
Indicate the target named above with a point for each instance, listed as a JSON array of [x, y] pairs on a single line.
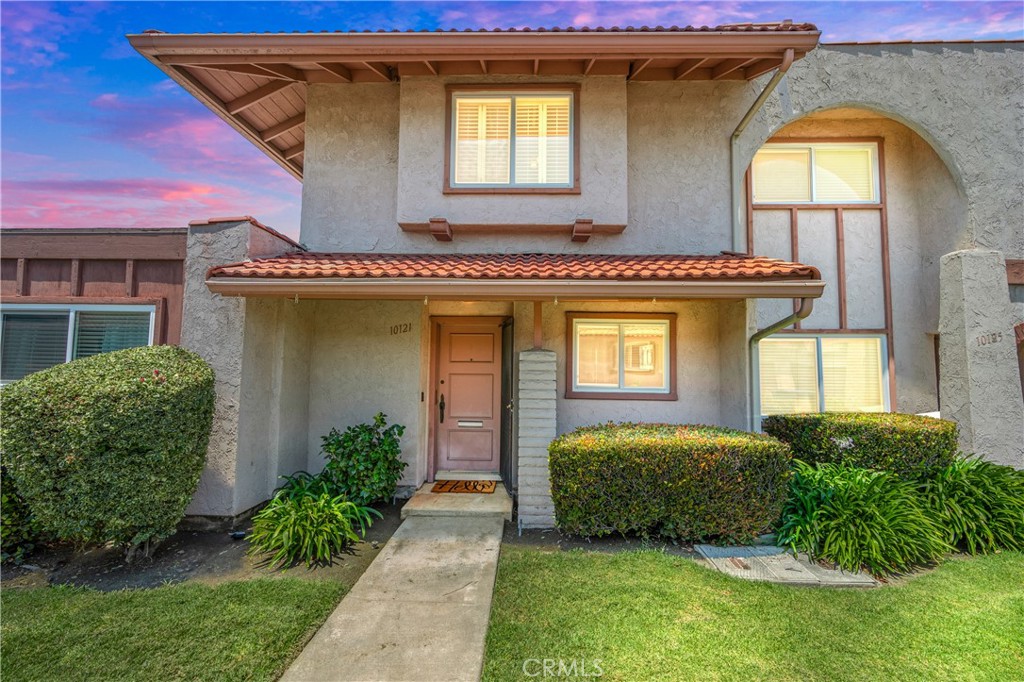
[[400, 47], [511, 290]]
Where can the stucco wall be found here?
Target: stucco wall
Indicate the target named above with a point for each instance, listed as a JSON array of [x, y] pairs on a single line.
[[357, 368], [602, 196]]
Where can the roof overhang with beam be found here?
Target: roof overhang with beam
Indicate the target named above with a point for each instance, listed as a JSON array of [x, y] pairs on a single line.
[[257, 82]]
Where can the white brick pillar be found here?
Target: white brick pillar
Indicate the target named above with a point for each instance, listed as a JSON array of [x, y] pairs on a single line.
[[536, 414], [979, 386]]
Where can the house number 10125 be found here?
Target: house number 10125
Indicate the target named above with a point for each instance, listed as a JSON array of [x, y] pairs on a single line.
[[403, 328]]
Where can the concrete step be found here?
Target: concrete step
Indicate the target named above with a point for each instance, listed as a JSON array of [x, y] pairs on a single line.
[[425, 503]]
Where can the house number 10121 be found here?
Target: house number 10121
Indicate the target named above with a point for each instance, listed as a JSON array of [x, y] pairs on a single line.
[[403, 328]]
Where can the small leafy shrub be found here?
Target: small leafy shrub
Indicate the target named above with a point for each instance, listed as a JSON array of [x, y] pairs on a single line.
[[686, 482], [304, 521], [19, 531], [980, 505], [109, 448], [857, 517], [905, 444], [364, 463]]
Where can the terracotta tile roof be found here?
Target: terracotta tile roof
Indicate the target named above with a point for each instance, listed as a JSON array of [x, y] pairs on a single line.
[[773, 26], [533, 266]]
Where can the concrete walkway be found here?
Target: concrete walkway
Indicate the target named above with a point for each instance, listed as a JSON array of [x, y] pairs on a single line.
[[419, 612]]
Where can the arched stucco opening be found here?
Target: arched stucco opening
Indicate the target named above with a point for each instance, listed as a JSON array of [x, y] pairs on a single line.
[[881, 262]]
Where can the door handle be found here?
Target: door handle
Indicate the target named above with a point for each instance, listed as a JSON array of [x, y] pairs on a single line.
[[440, 406]]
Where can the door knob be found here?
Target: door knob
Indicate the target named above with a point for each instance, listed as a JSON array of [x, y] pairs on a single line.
[[440, 406]]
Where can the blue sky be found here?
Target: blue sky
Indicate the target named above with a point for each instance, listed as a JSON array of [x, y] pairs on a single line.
[[94, 136]]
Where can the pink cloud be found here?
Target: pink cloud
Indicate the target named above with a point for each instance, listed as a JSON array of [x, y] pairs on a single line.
[[133, 202]]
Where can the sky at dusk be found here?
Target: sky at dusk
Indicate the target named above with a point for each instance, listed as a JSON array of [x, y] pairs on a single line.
[[93, 135]]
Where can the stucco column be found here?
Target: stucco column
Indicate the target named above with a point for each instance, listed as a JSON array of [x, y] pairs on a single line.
[[979, 386], [536, 430]]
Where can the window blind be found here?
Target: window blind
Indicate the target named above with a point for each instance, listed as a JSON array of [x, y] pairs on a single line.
[[789, 376], [543, 145], [482, 140], [843, 175], [782, 175], [32, 342], [852, 374], [102, 332]]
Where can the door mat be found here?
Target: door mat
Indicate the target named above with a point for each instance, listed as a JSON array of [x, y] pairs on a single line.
[[463, 487]]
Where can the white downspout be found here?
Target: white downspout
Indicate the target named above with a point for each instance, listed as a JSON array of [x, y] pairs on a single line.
[[738, 223], [803, 309]]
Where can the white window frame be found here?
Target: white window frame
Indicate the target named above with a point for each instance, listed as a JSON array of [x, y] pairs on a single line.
[[665, 323], [819, 365], [871, 147], [513, 95], [72, 310]]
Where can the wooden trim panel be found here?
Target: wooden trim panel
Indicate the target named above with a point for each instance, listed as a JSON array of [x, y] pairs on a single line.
[[619, 395]]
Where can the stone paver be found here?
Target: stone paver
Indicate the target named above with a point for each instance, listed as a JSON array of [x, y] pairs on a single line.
[[419, 612], [778, 565]]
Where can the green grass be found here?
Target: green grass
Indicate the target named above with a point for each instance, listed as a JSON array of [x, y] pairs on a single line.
[[651, 616], [246, 630]]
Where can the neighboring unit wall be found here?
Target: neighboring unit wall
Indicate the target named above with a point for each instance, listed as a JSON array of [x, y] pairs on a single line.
[[241, 461], [62, 265]]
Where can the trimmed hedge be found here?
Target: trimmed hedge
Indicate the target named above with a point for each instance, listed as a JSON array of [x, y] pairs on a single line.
[[681, 481], [109, 448], [19, 531], [905, 444]]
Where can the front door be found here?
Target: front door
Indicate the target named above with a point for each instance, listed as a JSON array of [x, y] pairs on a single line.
[[467, 406]]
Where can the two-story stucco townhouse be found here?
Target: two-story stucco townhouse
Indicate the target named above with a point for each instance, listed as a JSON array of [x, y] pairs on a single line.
[[509, 234]]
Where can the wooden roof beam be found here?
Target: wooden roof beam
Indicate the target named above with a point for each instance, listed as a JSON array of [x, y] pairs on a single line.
[[283, 71], [341, 73], [381, 70], [761, 67], [686, 67], [276, 131], [292, 152], [247, 69], [256, 96], [728, 66], [634, 71]]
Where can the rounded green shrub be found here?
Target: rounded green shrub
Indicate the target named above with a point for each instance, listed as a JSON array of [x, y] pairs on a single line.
[[905, 444], [109, 448], [19, 531], [857, 518], [980, 505], [681, 481]]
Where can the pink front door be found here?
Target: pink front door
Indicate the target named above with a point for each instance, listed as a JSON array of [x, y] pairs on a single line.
[[467, 406]]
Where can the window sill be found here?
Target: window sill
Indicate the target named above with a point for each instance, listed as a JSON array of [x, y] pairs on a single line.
[[588, 395], [511, 190]]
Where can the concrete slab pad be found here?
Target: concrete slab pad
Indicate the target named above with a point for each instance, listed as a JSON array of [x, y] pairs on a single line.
[[778, 565], [425, 503]]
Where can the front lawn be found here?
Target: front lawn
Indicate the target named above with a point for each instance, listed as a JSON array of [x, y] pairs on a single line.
[[246, 630], [652, 616]]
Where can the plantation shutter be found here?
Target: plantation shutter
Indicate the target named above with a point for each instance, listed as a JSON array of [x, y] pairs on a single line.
[[482, 140], [32, 342], [102, 332], [543, 142], [843, 175], [852, 374], [789, 376], [782, 175]]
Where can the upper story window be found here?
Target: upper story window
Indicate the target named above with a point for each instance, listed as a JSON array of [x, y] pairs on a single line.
[[816, 173], [34, 337], [516, 141]]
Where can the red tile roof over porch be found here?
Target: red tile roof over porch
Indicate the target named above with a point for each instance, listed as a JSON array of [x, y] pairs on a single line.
[[519, 266]]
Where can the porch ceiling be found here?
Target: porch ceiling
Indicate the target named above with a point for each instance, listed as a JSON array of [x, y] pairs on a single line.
[[257, 82], [515, 276]]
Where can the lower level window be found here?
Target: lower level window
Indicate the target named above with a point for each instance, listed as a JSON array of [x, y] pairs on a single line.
[[831, 373], [621, 357], [35, 337]]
